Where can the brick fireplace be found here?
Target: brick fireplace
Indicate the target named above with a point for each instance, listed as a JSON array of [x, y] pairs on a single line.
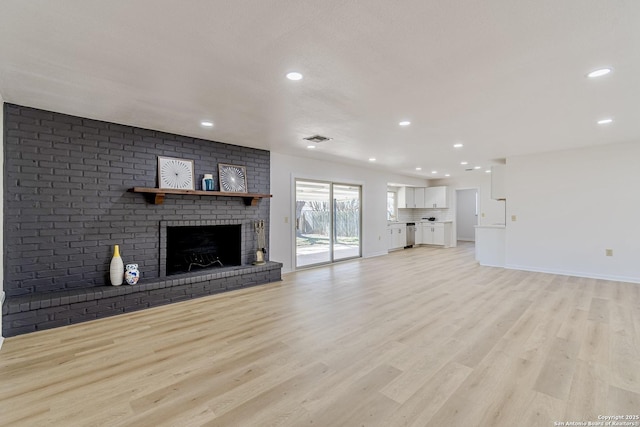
[[187, 246], [66, 206]]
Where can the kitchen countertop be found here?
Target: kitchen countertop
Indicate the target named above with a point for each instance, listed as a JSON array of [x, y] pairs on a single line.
[[421, 221]]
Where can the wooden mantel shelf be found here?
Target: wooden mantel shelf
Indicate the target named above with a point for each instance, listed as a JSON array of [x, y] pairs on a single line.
[[157, 194]]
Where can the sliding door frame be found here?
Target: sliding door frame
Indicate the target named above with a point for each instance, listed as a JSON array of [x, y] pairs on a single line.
[[332, 231]]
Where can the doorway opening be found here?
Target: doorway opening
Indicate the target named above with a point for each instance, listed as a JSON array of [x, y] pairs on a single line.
[[466, 214]]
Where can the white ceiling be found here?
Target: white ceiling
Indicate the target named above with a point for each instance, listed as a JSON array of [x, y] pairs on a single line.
[[503, 77]]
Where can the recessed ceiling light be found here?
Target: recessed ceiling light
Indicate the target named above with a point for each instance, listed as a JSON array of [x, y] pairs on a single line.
[[599, 72], [605, 121], [418, 169], [464, 163], [206, 123], [458, 145], [372, 159], [477, 167], [404, 123], [488, 171], [294, 75], [311, 147], [434, 172], [447, 174]]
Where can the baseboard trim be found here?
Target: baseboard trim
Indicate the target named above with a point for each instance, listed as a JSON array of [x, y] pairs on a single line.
[[376, 254], [574, 273], [495, 265]]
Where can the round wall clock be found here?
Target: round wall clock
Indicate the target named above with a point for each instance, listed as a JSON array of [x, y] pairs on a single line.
[[175, 173], [233, 179]]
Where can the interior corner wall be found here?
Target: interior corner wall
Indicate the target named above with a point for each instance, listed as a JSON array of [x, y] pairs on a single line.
[[285, 169], [570, 206]]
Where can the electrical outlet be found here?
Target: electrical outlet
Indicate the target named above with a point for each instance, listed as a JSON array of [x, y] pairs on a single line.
[[482, 214], [379, 237], [513, 218], [286, 220], [608, 252]]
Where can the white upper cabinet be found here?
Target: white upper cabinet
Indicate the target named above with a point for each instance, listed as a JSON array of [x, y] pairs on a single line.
[[418, 197], [498, 182], [436, 197], [406, 197]]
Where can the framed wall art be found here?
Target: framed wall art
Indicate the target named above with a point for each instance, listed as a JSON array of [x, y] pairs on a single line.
[[175, 173], [232, 178]]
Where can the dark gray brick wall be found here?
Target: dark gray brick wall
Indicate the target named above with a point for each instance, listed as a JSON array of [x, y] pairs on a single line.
[[66, 202]]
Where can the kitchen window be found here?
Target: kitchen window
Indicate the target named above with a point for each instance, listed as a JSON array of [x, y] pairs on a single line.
[[392, 206]]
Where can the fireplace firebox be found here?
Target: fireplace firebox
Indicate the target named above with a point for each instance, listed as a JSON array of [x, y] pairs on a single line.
[[193, 248]]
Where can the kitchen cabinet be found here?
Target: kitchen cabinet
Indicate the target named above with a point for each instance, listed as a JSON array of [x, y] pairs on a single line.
[[437, 233], [406, 197], [436, 197], [418, 234], [418, 197], [425, 233], [498, 182], [397, 235], [421, 197]]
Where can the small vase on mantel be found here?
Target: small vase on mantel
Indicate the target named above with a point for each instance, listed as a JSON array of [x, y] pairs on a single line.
[[207, 182], [116, 269], [131, 274]]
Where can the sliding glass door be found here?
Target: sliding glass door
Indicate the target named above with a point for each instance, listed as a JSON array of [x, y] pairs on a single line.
[[346, 221], [327, 222], [313, 223]]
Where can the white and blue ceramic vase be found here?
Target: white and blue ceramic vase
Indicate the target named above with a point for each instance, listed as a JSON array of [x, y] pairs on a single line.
[[131, 274]]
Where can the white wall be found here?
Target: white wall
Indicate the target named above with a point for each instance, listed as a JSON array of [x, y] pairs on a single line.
[[1, 211], [285, 169], [572, 205]]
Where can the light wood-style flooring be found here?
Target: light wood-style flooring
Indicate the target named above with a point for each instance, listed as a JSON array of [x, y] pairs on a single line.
[[421, 337]]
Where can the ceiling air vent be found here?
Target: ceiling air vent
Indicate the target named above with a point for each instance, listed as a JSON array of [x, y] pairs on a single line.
[[317, 138]]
